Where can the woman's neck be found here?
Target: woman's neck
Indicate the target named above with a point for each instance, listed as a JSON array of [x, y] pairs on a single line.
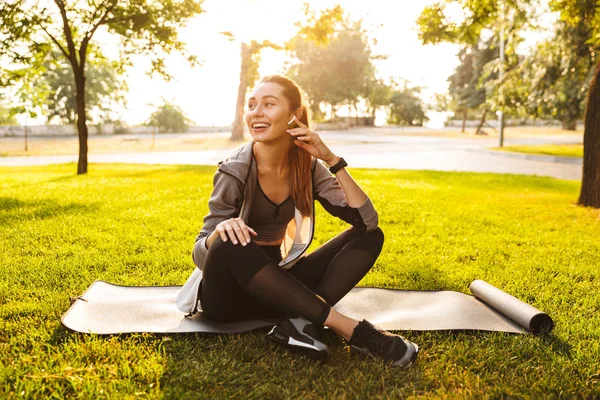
[[272, 156]]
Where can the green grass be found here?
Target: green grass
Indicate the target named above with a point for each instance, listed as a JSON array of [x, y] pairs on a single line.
[[562, 150], [135, 225]]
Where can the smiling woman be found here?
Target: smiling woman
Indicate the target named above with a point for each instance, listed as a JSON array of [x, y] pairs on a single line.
[[275, 101], [263, 200]]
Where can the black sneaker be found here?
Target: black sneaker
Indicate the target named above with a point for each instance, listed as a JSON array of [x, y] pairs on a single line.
[[368, 340], [300, 335]]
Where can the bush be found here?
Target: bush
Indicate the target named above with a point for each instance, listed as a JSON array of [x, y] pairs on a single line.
[[169, 118]]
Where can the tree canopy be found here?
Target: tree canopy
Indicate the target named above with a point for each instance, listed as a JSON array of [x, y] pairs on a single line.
[[405, 106], [53, 87], [560, 68], [337, 73], [169, 118], [7, 116], [31, 30]]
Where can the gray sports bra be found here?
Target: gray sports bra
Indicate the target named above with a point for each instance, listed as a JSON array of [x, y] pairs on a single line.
[[268, 219]]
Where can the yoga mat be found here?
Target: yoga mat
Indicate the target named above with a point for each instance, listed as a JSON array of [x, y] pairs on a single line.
[[106, 308]]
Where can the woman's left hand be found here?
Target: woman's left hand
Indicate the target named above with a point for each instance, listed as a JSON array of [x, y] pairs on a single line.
[[311, 142]]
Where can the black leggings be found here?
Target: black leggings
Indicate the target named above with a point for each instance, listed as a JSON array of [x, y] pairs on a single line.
[[245, 282]]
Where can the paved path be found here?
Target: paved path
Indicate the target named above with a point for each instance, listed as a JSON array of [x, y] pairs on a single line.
[[379, 151]]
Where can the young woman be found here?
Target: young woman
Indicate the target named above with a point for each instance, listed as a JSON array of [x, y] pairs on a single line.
[[250, 252]]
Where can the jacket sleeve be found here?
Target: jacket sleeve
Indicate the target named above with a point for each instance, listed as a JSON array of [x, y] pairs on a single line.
[[225, 202], [328, 192]]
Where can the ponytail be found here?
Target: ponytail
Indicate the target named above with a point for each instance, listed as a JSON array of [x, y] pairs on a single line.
[[300, 174]]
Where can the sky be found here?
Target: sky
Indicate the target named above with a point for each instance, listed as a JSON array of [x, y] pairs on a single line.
[[207, 93]]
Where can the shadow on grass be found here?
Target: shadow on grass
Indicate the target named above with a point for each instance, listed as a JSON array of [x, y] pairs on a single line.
[[19, 211]]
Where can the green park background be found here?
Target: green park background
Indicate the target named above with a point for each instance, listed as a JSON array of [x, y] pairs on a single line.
[[64, 226]]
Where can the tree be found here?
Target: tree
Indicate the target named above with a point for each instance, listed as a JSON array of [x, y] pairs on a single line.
[[315, 29], [585, 17], [435, 27], [471, 78], [31, 30], [55, 90], [349, 70], [461, 89], [169, 118], [405, 106], [250, 60], [552, 81], [7, 115], [378, 95]]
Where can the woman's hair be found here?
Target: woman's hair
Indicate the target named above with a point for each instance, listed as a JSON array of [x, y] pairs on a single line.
[[299, 159]]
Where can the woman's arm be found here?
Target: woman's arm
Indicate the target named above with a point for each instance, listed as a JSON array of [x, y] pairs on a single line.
[[224, 203], [351, 208], [355, 196], [340, 195]]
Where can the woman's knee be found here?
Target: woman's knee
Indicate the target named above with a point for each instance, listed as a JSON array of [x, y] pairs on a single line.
[[220, 249], [375, 239], [377, 233]]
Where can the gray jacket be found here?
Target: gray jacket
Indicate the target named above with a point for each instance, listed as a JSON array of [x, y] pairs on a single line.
[[234, 185]]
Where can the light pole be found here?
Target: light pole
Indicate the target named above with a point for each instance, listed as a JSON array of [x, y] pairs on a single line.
[[501, 75]]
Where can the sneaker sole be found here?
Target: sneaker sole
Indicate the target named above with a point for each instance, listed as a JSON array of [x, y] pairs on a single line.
[[413, 357], [363, 352], [298, 347]]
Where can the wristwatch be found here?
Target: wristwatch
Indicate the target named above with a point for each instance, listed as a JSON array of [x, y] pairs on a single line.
[[339, 165]]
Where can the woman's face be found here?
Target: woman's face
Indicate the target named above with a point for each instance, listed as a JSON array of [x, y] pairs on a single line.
[[268, 113]]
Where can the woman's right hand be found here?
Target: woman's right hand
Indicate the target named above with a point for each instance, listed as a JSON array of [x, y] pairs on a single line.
[[236, 229]]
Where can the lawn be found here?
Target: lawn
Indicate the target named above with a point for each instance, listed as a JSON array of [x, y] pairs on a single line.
[[135, 225], [562, 150]]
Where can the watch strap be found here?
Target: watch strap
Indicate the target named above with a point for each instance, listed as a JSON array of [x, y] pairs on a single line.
[[339, 165]]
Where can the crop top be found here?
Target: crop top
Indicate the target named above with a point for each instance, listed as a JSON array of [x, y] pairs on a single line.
[[268, 219]]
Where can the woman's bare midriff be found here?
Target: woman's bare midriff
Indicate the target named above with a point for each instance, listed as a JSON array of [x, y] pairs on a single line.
[[261, 243]]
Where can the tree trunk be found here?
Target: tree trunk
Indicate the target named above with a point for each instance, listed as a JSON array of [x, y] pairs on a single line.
[[237, 132], [355, 112], [82, 130], [464, 121], [569, 125], [478, 131], [26, 147], [590, 184]]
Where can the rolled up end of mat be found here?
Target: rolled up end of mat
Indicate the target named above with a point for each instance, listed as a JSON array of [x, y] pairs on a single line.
[[541, 323], [522, 313]]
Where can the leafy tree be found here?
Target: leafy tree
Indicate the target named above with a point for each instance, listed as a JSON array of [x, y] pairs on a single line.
[[435, 27], [169, 118], [552, 81], [315, 29], [250, 60], [405, 106], [461, 89], [7, 115], [584, 18], [469, 82], [378, 95], [480, 17], [30, 30], [55, 89], [349, 68]]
